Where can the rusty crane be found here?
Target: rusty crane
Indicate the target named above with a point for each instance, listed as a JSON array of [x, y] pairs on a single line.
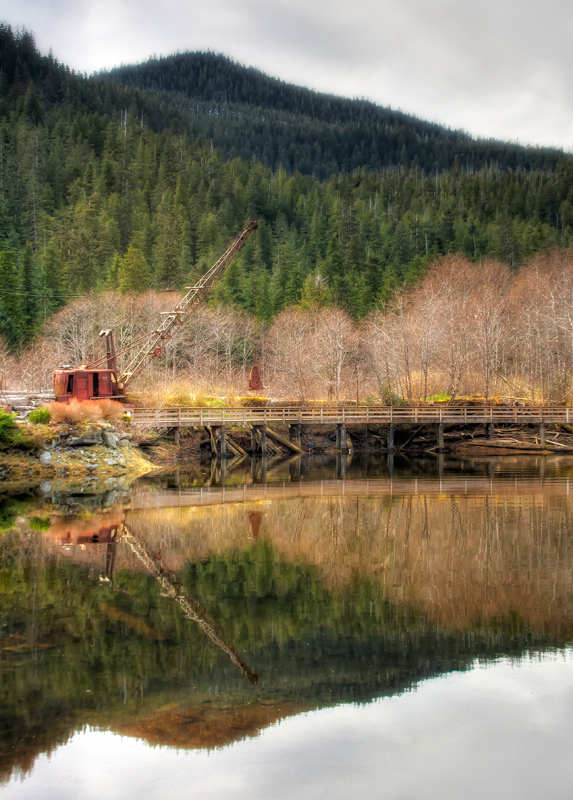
[[102, 378]]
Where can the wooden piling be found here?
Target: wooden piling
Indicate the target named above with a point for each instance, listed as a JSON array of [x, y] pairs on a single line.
[[341, 438], [440, 438]]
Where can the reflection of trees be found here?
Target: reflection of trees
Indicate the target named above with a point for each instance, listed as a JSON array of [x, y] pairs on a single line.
[[333, 600], [464, 560]]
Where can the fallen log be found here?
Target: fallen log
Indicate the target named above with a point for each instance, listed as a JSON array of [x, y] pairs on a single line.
[[237, 447], [284, 441], [515, 446]]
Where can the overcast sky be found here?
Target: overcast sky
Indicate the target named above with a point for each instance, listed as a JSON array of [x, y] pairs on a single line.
[[496, 68]]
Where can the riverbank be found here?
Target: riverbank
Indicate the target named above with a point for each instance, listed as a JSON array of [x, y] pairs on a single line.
[[89, 452]]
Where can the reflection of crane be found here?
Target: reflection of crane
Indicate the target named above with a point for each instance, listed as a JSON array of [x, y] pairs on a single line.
[[191, 607], [102, 378]]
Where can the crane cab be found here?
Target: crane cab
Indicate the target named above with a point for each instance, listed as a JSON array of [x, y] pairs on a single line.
[[86, 384]]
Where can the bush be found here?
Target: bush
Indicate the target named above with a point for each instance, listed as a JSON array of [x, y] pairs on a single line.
[[39, 523], [85, 411], [8, 427], [39, 416]]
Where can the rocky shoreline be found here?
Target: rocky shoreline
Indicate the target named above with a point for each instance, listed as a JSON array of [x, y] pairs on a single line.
[[89, 452]]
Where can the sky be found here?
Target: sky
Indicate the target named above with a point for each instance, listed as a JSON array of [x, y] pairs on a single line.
[[497, 68]]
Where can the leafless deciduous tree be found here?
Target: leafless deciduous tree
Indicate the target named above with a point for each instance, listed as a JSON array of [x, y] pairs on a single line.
[[476, 329]]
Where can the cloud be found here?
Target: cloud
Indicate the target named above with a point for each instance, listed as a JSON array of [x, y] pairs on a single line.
[[498, 68]]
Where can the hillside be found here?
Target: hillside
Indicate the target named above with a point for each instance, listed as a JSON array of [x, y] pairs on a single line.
[[102, 188], [249, 114]]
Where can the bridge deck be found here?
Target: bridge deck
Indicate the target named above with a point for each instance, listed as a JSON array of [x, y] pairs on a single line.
[[373, 415]]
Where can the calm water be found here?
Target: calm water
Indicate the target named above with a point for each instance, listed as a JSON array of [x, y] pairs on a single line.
[[312, 629]]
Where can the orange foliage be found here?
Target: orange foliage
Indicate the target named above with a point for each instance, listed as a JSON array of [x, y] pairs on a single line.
[[85, 411]]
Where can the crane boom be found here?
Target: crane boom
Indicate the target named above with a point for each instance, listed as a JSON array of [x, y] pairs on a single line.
[[173, 320], [101, 378]]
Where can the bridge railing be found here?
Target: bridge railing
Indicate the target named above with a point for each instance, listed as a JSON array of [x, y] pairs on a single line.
[[330, 415]]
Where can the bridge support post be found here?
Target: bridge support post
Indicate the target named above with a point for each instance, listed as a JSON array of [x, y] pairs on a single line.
[[223, 439], [390, 438], [341, 440], [542, 434], [294, 435], [263, 432], [390, 463], [177, 436], [490, 431], [260, 432], [440, 438]]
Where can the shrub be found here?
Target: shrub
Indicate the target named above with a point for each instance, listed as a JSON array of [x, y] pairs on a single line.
[[85, 411], [39, 523], [111, 409], [8, 427], [39, 416]]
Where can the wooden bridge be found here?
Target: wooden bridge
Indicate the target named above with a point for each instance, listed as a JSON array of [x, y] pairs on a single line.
[[258, 418], [356, 415]]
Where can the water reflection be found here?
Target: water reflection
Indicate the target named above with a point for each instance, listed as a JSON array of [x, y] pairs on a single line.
[[153, 611]]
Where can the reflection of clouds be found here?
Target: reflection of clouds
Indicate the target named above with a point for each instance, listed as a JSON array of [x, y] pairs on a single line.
[[483, 733], [491, 68]]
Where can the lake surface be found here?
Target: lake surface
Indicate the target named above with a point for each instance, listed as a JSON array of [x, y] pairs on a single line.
[[317, 628]]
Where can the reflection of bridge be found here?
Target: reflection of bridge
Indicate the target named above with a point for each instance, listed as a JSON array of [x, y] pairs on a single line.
[[377, 487]]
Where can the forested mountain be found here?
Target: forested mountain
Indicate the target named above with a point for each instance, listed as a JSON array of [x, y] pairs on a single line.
[[249, 114], [102, 187]]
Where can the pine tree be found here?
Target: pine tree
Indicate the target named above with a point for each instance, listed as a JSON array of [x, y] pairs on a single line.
[[11, 300], [133, 272]]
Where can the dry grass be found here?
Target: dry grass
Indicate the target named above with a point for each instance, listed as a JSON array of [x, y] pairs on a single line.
[[182, 394], [85, 411]]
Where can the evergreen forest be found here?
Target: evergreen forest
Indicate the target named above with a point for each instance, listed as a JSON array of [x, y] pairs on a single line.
[[137, 178]]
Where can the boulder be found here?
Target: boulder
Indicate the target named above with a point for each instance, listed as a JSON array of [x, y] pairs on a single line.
[[93, 435], [45, 458], [110, 440]]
